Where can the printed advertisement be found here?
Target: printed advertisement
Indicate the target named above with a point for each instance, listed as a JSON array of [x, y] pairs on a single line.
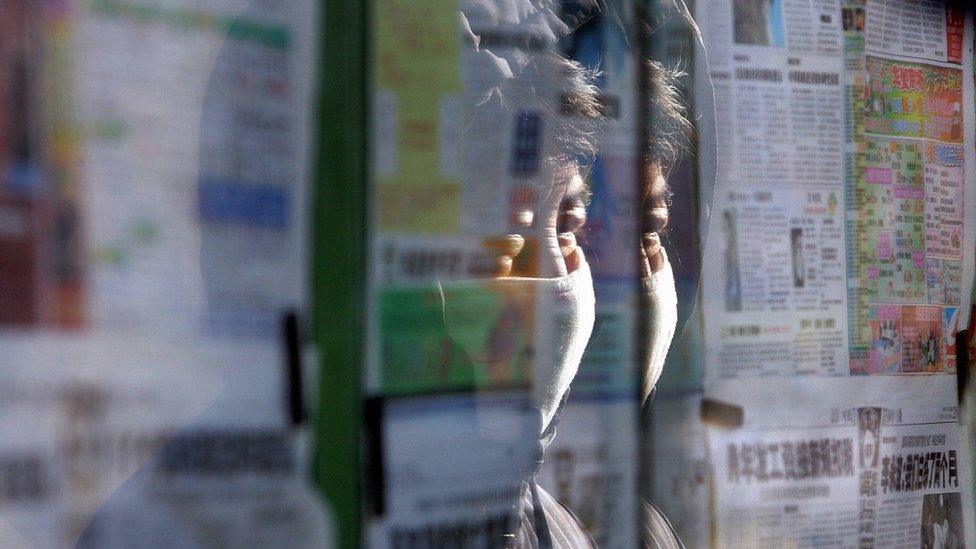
[[909, 194], [461, 335], [914, 100], [418, 82]]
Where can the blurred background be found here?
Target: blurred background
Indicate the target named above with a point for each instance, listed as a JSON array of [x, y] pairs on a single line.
[[286, 272]]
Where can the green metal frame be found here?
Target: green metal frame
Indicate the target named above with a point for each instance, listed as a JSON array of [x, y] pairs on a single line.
[[338, 251]]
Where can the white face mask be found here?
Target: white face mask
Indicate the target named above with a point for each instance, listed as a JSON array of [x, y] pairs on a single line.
[[662, 317], [528, 330]]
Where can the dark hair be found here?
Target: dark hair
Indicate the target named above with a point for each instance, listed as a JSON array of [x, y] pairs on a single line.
[[560, 90], [669, 128], [576, 119], [665, 138]]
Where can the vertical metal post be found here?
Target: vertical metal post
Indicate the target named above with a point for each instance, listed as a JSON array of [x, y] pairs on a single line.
[[339, 259]]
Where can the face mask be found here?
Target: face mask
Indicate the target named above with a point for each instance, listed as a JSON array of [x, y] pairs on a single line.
[[661, 301], [523, 331]]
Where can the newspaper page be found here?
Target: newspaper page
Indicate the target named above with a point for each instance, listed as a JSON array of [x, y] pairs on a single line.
[[151, 449], [453, 171], [679, 467], [194, 152], [430, 223], [75, 433], [159, 210], [839, 215], [457, 488], [774, 268], [155, 153], [838, 253], [445, 194], [884, 469], [590, 467]]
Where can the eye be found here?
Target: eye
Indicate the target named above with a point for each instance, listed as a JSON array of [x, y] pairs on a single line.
[[655, 219], [656, 212], [572, 213]]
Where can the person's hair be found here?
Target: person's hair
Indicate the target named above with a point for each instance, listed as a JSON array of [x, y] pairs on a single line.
[[667, 134], [560, 90], [526, 78], [665, 138]]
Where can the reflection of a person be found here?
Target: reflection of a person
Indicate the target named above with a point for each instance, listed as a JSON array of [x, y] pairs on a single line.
[[660, 298], [543, 259], [542, 277]]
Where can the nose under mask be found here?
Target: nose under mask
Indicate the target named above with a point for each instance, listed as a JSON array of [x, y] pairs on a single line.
[[524, 331], [533, 331], [661, 301]]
